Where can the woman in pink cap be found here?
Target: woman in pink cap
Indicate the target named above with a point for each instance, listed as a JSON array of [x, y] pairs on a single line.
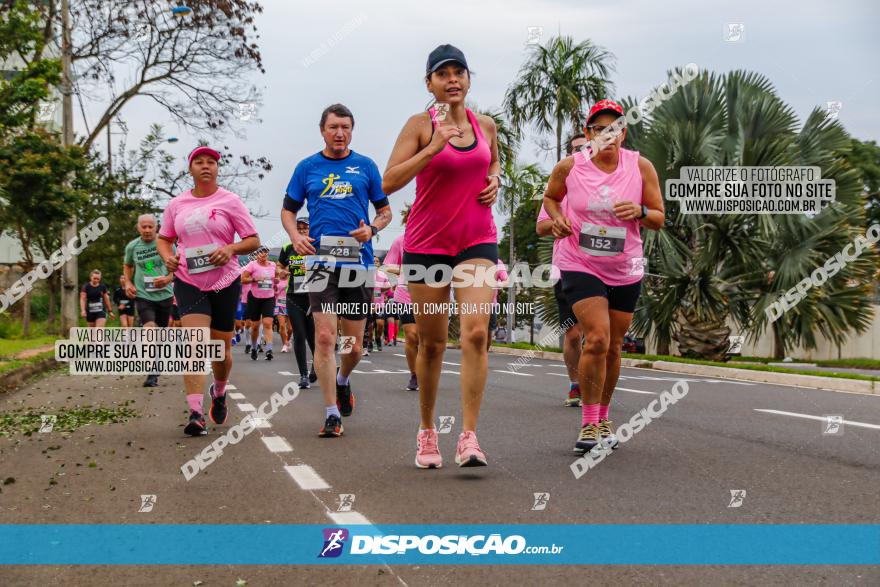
[[609, 194], [203, 222], [452, 154]]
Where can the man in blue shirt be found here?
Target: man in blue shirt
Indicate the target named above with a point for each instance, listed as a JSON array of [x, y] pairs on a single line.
[[337, 185]]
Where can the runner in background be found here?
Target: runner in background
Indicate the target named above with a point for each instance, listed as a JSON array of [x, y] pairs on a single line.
[[571, 342], [123, 304], [148, 281], [377, 307], [502, 279], [452, 154], [403, 306], [610, 196], [244, 320], [175, 313], [260, 274], [338, 186], [204, 221], [281, 311], [94, 301], [302, 325]]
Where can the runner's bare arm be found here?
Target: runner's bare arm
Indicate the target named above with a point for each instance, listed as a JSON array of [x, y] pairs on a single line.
[[128, 272], [245, 246], [165, 248], [107, 304], [301, 244], [409, 156], [544, 227], [652, 197], [82, 303], [490, 192], [246, 277], [553, 196]]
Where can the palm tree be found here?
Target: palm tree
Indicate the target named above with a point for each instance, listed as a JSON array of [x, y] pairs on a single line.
[[555, 83], [704, 269]]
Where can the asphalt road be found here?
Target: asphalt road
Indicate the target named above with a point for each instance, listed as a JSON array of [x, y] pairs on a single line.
[[766, 440]]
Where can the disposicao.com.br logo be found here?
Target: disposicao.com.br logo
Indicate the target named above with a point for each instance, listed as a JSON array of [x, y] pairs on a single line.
[[452, 544]]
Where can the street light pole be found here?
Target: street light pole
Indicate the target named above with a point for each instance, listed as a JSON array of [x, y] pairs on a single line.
[[69, 285]]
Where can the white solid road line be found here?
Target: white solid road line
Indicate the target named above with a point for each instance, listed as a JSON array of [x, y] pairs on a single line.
[[820, 418], [235, 395], [306, 477], [276, 444], [635, 391], [513, 373], [450, 363], [286, 373], [557, 374], [246, 407], [450, 372], [349, 518]]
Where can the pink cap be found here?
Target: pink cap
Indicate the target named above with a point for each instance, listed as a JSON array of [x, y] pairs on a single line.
[[204, 151]]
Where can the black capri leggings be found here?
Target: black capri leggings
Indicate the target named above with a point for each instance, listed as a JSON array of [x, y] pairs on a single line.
[[303, 329]]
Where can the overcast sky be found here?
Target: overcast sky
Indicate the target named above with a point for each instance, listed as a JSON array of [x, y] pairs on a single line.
[[812, 51]]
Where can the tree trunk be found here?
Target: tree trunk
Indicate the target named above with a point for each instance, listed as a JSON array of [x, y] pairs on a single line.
[[702, 337], [663, 347], [26, 315], [52, 286], [532, 330], [511, 288], [558, 138], [778, 343]]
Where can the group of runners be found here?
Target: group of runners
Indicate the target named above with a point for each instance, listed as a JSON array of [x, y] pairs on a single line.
[[327, 282]]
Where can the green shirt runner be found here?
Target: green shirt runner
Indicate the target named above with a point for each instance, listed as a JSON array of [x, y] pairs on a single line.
[[296, 264], [148, 265]]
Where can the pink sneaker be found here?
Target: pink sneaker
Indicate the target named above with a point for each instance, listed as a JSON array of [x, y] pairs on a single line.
[[467, 452], [428, 454]]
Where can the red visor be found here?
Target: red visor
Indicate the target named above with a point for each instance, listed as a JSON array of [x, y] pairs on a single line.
[[604, 105]]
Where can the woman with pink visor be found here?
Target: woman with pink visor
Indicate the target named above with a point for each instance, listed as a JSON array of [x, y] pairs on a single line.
[[610, 193]]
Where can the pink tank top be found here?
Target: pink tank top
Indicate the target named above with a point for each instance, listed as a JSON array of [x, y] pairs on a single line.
[[447, 217], [602, 245]]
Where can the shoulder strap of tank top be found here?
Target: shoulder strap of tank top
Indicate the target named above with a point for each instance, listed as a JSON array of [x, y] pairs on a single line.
[[478, 131]]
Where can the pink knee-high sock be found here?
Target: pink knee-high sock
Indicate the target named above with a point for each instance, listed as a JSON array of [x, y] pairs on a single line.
[[195, 402], [220, 388], [603, 411], [590, 414]]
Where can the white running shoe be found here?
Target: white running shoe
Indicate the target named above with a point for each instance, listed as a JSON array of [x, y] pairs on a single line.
[[285, 349]]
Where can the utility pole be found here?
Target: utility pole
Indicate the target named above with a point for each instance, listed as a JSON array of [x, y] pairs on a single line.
[[69, 285]]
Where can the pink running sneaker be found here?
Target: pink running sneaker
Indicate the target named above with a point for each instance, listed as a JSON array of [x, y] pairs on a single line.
[[467, 451], [428, 454]]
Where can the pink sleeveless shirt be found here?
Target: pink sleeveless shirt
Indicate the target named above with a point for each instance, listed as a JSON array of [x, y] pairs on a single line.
[[447, 217], [597, 234]]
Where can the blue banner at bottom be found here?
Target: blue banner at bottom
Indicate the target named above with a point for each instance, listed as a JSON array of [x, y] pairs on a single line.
[[638, 544]]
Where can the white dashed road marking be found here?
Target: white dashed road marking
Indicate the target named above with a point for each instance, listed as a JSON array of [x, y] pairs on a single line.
[[306, 477], [276, 444], [820, 418]]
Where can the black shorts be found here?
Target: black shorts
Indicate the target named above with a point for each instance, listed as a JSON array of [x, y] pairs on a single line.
[[487, 251], [150, 311], [219, 305], [493, 321], [577, 286], [407, 318], [93, 316], [258, 308], [127, 311], [566, 316], [175, 313], [356, 297]]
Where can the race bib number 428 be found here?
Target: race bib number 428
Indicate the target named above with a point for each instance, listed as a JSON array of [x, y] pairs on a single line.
[[345, 249]]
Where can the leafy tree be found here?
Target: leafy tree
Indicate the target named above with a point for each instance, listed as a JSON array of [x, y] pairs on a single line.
[[555, 84]]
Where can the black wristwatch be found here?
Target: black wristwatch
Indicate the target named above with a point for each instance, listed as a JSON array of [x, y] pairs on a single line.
[[374, 229], [644, 211]]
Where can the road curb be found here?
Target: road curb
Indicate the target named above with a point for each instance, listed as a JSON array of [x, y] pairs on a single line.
[[10, 380], [811, 381]]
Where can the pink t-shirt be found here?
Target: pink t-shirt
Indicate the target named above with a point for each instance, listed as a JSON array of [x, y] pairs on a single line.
[[395, 257], [281, 293], [591, 195], [446, 216], [245, 289], [202, 225], [379, 297], [263, 284], [500, 275]]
